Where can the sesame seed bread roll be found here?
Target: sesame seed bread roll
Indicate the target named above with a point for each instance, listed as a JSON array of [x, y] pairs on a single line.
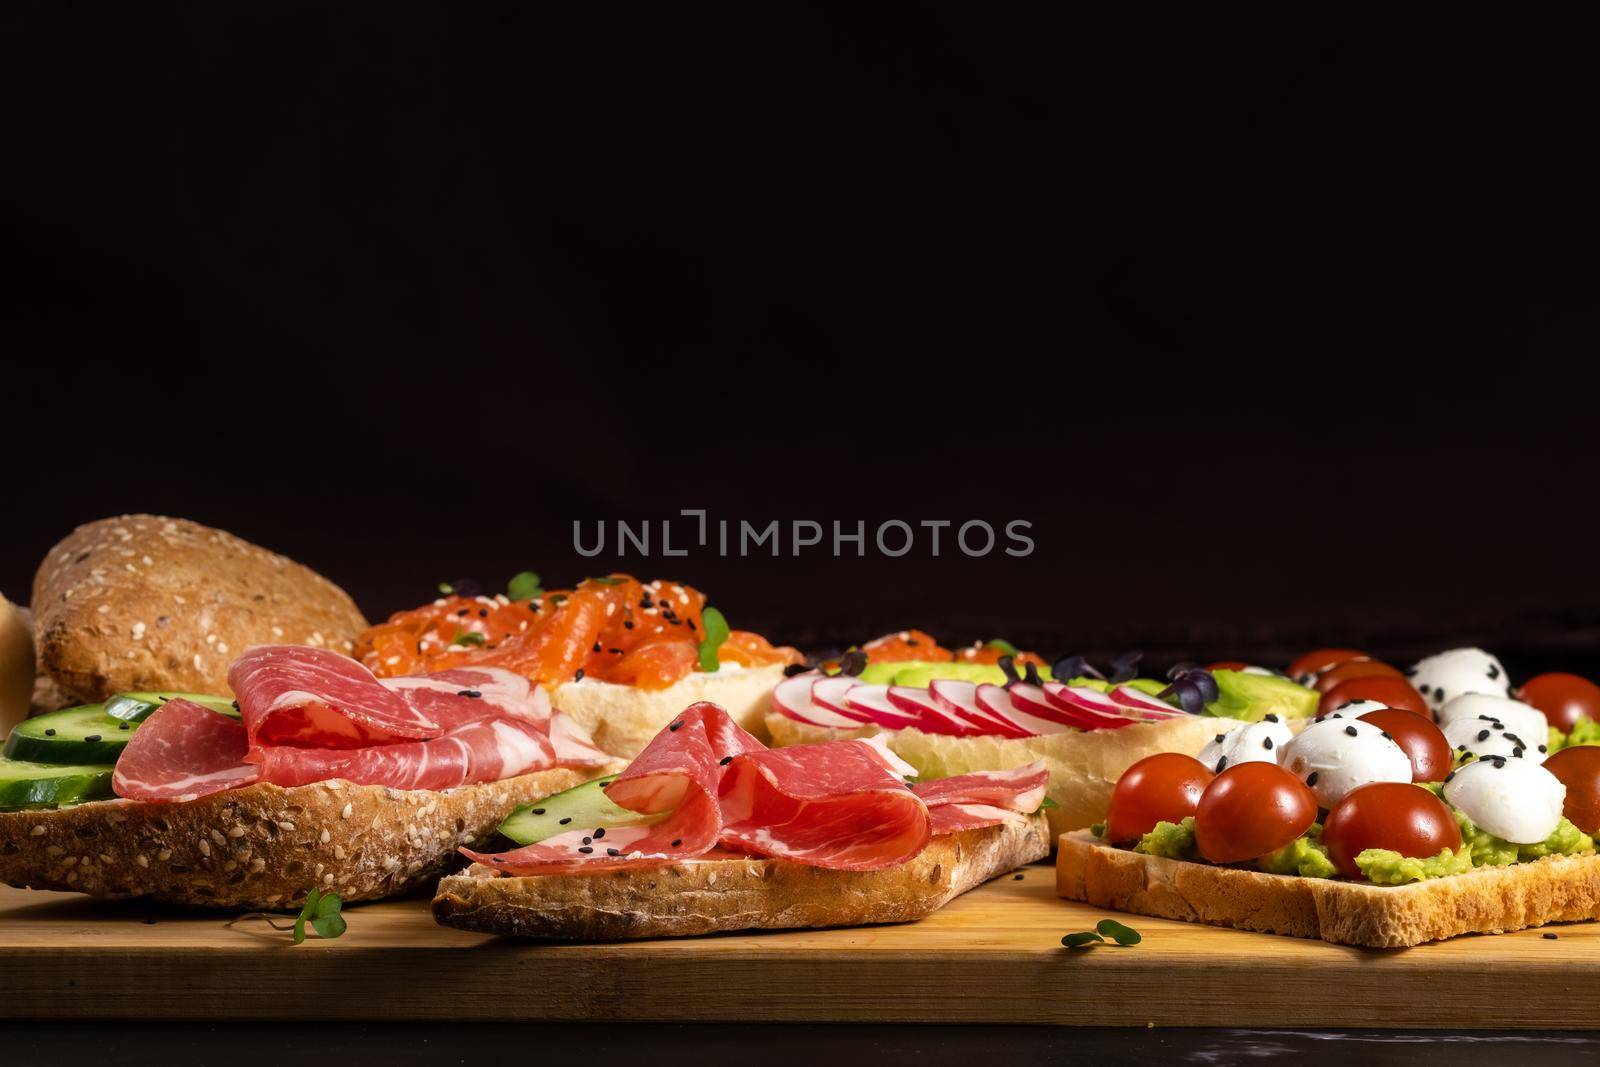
[[144, 602]]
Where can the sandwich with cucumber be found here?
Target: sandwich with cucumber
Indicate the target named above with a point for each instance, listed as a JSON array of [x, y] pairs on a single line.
[[708, 831], [315, 775]]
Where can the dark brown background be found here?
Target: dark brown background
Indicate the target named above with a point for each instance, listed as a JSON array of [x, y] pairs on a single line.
[[1279, 328]]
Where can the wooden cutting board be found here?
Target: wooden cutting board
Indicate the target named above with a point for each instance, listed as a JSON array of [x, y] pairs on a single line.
[[991, 956]]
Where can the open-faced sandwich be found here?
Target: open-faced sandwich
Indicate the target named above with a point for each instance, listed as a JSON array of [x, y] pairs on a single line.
[[620, 656], [1420, 805], [992, 707], [709, 830]]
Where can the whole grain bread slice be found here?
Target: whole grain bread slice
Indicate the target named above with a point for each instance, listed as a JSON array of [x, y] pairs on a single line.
[[1487, 900], [264, 846], [706, 896]]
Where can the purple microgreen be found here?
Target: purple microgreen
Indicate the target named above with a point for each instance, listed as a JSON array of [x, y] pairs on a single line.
[[853, 662], [1070, 667], [1008, 667], [1125, 667]]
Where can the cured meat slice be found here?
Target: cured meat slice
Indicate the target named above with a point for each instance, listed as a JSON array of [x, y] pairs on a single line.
[[183, 751], [950, 818], [835, 805], [679, 772], [1020, 789], [483, 751], [467, 694], [290, 695], [573, 745]]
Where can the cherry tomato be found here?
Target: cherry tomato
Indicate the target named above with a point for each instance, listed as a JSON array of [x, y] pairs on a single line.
[[1578, 768], [1227, 665], [1391, 815], [1312, 664], [1564, 698], [1390, 692], [1423, 743], [1356, 668], [1252, 809], [1165, 787]]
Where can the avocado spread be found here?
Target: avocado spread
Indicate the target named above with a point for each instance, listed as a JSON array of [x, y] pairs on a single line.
[[1170, 840], [1584, 732], [1305, 856], [1383, 866], [1252, 697], [919, 674]]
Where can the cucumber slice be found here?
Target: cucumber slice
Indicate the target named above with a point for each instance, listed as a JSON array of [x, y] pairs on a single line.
[[71, 736], [137, 707], [37, 785], [582, 807]]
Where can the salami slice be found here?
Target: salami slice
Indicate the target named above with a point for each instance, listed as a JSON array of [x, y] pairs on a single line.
[[834, 805], [1020, 789], [313, 698], [679, 772], [183, 751], [468, 694], [484, 751]]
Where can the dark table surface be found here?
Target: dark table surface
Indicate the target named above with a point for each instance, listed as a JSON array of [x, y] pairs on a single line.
[[279, 1043]]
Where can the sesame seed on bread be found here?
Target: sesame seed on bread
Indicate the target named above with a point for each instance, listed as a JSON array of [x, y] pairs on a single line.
[[1486, 900], [264, 846], [144, 602], [704, 896]]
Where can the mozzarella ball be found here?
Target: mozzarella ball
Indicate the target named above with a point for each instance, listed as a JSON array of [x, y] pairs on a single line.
[[1354, 709], [1512, 799], [1446, 676], [1335, 756], [1256, 742], [1482, 737], [1522, 719]]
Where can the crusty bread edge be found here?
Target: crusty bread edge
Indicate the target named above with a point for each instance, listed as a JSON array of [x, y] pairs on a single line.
[[264, 846], [710, 896], [1487, 900]]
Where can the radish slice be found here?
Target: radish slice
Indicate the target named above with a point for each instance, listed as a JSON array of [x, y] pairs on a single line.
[[960, 699], [873, 702], [1032, 700], [1148, 706], [1088, 704], [791, 698], [832, 693], [932, 718], [997, 703]]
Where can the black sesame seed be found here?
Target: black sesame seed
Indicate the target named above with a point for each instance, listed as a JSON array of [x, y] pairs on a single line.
[[1270, 718], [1311, 779], [538, 811], [1544, 748], [1386, 735], [49, 732], [1498, 761], [676, 841], [613, 852], [1347, 704], [588, 840], [725, 760], [1351, 730], [1220, 738], [1221, 763], [615, 651], [1016, 877], [1483, 735], [566, 820], [676, 726], [1266, 743], [1494, 671], [1449, 776], [596, 646], [1549, 937], [496, 859], [124, 726], [92, 737], [579, 676], [483, 613], [1517, 752], [585, 849], [599, 832], [471, 694]]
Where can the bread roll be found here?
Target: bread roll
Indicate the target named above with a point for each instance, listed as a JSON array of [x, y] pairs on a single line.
[[144, 602]]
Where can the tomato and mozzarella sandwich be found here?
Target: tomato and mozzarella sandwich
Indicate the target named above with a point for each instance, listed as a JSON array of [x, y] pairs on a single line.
[[1375, 825], [619, 656], [710, 830], [318, 775]]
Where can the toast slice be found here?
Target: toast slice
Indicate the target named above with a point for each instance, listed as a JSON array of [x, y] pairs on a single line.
[[1084, 767], [264, 846], [1487, 900], [705, 896]]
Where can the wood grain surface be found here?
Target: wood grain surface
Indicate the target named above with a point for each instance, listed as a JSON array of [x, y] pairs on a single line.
[[991, 956]]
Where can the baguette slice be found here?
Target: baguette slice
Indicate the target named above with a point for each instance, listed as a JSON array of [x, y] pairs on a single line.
[[623, 718], [712, 895], [263, 846], [1487, 900], [1084, 767]]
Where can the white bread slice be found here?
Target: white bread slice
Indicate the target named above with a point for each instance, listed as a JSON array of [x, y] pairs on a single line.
[[1487, 900], [623, 718], [1084, 767], [712, 895], [264, 846]]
